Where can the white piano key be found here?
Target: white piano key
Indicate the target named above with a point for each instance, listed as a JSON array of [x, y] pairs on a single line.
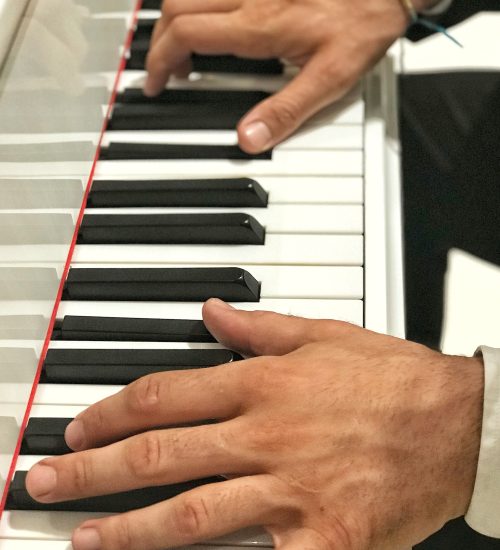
[[277, 250], [347, 136], [297, 281], [343, 310], [91, 344], [292, 163], [58, 526], [48, 411], [277, 218], [73, 394], [303, 190]]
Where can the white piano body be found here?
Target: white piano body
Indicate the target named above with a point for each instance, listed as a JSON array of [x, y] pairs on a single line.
[[60, 61]]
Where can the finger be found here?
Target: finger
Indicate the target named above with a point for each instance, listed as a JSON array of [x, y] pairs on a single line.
[[174, 8], [200, 514], [200, 33], [158, 457], [266, 333], [305, 539], [326, 77], [157, 400]]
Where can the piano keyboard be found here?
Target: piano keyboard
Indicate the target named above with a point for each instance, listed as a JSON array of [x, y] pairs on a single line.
[[177, 214]]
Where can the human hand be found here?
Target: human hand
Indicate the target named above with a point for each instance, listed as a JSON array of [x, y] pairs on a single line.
[[334, 438], [334, 41]]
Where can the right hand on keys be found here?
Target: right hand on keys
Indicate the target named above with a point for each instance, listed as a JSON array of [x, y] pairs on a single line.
[[334, 41], [335, 438]]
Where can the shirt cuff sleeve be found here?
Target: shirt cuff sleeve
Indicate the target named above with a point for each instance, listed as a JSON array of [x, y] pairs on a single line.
[[484, 509], [439, 8]]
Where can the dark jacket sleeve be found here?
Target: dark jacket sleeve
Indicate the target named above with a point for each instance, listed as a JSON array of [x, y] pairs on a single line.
[[458, 12]]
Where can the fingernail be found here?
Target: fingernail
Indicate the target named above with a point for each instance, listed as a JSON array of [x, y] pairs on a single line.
[[74, 435], [42, 480], [86, 539], [220, 304], [258, 135]]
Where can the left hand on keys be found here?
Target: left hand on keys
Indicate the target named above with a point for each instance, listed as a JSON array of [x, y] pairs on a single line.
[[333, 438]]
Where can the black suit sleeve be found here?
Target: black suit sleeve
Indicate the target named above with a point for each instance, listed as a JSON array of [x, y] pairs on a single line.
[[458, 12]]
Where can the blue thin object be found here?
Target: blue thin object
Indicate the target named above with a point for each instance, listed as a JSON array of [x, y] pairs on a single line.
[[417, 20], [436, 28]]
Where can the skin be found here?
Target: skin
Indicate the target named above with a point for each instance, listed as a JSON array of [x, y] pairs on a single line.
[[333, 41], [334, 438]]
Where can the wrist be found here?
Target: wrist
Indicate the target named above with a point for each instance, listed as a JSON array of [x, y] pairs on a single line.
[[468, 383]]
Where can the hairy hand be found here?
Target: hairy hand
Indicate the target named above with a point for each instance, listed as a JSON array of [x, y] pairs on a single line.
[[335, 438], [334, 41]]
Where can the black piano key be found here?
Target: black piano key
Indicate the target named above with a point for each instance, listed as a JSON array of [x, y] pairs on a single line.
[[151, 4], [223, 229], [231, 284], [122, 366], [237, 192], [124, 329], [19, 499], [232, 64], [210, 63], [45, 436], [185, 96], [157, 151], [160, 116]]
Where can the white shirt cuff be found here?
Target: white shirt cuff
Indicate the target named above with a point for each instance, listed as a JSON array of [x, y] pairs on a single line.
[[439, 8], [484, 509]]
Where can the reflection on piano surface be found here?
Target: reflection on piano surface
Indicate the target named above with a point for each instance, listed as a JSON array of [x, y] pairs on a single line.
[[176, 214]]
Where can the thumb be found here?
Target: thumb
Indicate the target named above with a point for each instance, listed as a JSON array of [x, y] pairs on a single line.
[[320, 82], [254, 333]]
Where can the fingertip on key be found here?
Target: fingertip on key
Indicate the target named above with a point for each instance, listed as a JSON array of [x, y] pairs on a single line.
[[86, 538], [75, 435], [41, 481]]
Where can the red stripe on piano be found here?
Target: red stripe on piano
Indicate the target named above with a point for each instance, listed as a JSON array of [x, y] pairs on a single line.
[[121, 67]]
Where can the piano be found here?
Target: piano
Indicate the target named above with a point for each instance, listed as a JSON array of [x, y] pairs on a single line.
[[119, 216]]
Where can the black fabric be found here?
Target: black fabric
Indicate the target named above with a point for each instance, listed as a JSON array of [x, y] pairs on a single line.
[[231, 284], [210, 229], [238, 192], [458, 12], [130, 329], [122, 366], [450, 132]]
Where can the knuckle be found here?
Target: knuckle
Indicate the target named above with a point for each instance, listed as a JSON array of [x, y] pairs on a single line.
[[143, 395], [192, 516], [83, 474], [285, 111], [346, 533], [93, 419], [179, 29], [121, 532], [145, 456]]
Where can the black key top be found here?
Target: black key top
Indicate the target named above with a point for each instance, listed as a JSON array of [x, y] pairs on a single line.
[[151, 4], [232, 64], [228, 98], [237, 192], [122, 366], [231, 284], [45, 436], [125, 329], [209, 63], [162, 116], [170, 229], [19, 499], [157, 151]]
